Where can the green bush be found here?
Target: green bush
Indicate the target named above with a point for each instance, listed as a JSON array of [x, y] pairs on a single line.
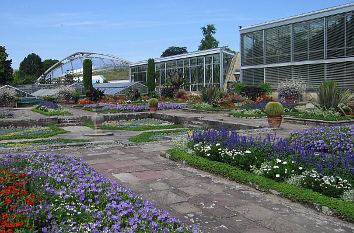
[[151, 76], [153, 102], [274, 109], [267, 88], [328, 95], [87, 74], [238, 87], [49, 98]]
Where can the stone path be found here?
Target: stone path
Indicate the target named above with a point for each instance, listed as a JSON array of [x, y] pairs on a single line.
[[195, 197]]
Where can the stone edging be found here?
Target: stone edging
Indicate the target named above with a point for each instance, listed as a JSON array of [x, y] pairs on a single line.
[[315, 122]]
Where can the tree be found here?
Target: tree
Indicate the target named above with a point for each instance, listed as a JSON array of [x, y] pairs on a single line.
[[170, 51], [5, 67], [19, 77], [150, 82], [87, 74], [32, 65], [47, 63], [208, 42]]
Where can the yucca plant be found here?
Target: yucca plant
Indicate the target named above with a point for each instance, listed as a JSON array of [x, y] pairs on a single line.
[[212, 95], [330, 96]]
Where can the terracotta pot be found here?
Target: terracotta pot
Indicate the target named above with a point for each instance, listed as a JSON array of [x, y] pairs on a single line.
[[274, 121], [153, 108]]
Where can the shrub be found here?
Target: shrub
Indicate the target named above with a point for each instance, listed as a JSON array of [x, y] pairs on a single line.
[[49, 98], [274, 109], [291, 88], [237, 87], [267, 88], [133, 95], [7, 96], [167, 92], [153, 102], [87, 74], [212, 95], [94, 94], [252, 92], [150, 83], [202, 105], [235, 98], [66, 93]]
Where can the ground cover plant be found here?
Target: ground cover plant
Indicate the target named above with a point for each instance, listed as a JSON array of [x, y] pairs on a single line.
[[140, 125], [42, 142], [278, 159], [157, 135], [106, 107], [38, 132], [50, 109], [6, 114], [323, 114], [61, 193], [332, 139]]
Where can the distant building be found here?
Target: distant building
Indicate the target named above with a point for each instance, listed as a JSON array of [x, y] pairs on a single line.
[[199, 69], [311, 47]]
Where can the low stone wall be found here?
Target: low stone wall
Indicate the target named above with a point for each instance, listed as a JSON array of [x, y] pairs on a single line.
[[314, 122]]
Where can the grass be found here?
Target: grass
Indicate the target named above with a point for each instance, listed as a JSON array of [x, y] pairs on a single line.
[[53, 113], [114, 74], [146, 136], [54, 131], [324, 118], [343, 209], [140, 128], [44, 141]]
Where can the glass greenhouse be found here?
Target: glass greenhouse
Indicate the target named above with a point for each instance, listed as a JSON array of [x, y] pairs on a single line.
[[310, 47], [199, 69]]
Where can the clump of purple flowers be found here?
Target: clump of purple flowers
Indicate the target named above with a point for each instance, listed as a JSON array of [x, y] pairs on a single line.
[[76, 198], [136, 108], [6, 114], [328, 139], [48, 104]]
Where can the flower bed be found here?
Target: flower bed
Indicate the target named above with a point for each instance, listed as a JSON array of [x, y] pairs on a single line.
[[39, 132], [41, 142], [156, 136], [106, 107], [329, 174], [61, 193], [50, 109], [326, 139], [6, 114], [138, 125]]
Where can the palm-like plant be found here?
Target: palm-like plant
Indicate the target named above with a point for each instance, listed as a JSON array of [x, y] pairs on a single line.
[[212, 95]]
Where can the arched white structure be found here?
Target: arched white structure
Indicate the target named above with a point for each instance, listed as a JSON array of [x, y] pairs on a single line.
[[73, 64]]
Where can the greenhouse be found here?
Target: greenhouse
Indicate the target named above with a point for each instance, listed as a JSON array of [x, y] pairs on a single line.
[[198, 69], [311, 47], [73, 64]]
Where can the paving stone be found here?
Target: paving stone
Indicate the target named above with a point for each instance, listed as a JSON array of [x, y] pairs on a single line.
[[98, 157], [281, 225], [126, 177], [129, 169], [254, 212], [147, 175], [194, 190], [100, 161], [185, 208], [164, 197], [167, 174], [159, 186], [145, 162], [125, 163]]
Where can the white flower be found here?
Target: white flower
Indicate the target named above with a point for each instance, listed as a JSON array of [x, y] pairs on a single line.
[[277, 175], [275, 167], [285, 162], [278, 160], [300, 168], [248, 152]]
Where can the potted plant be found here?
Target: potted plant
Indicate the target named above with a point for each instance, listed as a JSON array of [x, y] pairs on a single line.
[[291, 90], [274, 111], [153, 102]]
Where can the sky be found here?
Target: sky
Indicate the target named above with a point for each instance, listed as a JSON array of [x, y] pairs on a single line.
[[133, 30]]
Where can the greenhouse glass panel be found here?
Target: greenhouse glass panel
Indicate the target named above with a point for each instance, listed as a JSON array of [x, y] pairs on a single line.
[[258, 48], [216, 73], [301, 36], [350, 35], [316, 40], [247, 48], [335, 36]]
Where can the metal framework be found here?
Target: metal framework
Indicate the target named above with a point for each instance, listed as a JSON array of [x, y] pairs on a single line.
[[73, 64]]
